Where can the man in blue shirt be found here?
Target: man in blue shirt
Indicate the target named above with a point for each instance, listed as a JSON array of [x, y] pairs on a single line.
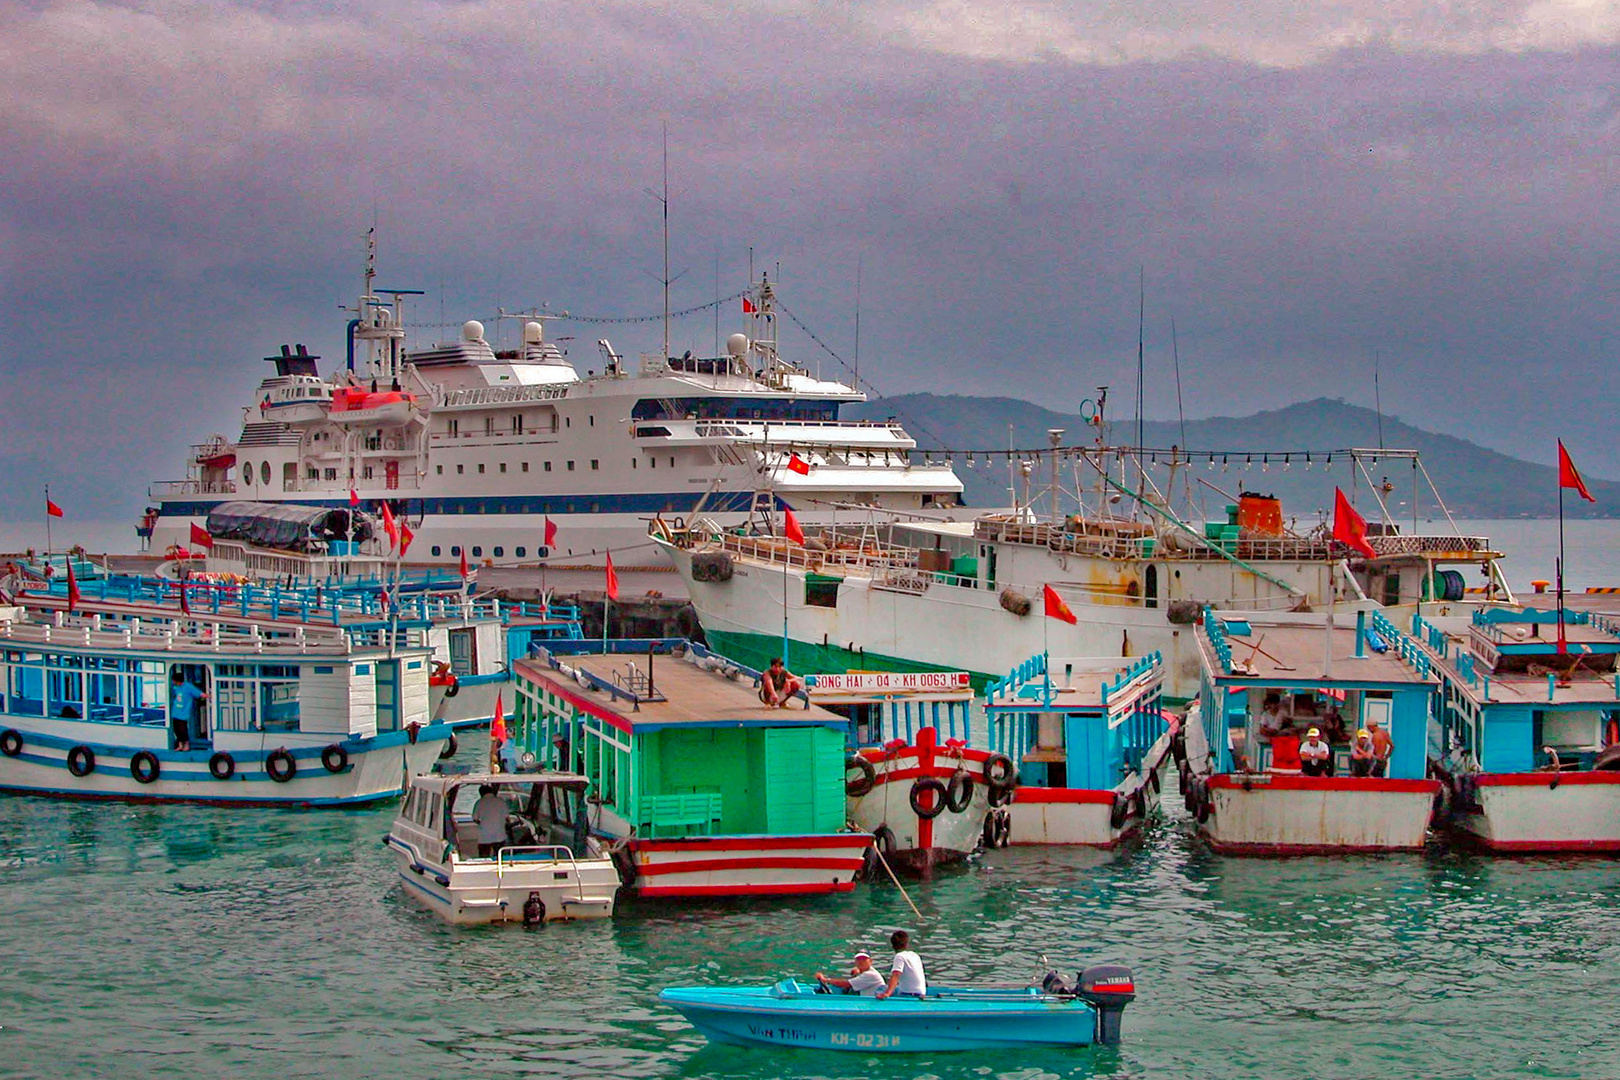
[[183, 698]]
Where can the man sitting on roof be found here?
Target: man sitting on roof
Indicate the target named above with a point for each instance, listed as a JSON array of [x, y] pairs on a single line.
[[778, 685], [1315, 756]]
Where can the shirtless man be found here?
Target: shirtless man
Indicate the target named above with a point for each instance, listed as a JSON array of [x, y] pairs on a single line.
[[778, 685]]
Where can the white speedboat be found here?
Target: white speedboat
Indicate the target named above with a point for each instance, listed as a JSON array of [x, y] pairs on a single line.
[[545, 867]]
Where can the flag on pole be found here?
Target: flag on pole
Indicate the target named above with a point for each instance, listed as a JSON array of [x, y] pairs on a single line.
[[1569, 476], [405, 538], [790, 527], [200, 537], [354, 499], [73, 586], [463, 564], [749, 307], [612, 579], [185, 605], [51, 509], [797, 464], [1055, 607], [1349, 527], [390, 526], [551, 532], [497, 735]]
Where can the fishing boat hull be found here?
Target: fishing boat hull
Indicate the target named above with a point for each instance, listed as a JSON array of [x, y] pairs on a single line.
[[956, 1020], [1541, 812], [731, 866], [473, 702], [1284, 814], [368, 769], [913, 826], [521, 890]]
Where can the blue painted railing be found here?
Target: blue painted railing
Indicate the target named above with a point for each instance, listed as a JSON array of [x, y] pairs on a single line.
[[1215, 630]]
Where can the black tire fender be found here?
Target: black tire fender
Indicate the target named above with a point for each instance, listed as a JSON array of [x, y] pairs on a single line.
[[450, 748], [1119, 811], [959, 792], [883, 840], [999, 771], [857, 786], [11, 742], [335, 758], [926, 812], [222, 766], [1003, 828], [81, 761], [280, 766], [144, 767]]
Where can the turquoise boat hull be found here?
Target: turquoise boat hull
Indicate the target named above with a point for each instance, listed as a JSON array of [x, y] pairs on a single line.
[[949, 1018]]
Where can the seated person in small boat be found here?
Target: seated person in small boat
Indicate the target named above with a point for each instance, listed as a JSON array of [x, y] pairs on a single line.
[[1383, 747], [906, 976], [778, 685], [489, 814], [864, 979], [1361, 754], [1315, 756]]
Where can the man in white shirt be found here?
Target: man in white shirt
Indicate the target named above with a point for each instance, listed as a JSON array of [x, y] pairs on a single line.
[[1315, 756], [489, 814], [864, 980], [906, 976]]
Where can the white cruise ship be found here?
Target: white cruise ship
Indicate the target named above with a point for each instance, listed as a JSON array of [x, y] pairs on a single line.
[[477, 448]]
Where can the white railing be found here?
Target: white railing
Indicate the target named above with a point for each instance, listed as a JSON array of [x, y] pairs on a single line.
[[190, 487], [503, 395]]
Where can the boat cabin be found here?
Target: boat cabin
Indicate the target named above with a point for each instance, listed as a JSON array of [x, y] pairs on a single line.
[[544, 811]]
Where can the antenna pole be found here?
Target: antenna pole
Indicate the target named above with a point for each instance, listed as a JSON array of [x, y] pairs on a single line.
[[1141, 367], [859, 260], [1378, 401], [665, 201]]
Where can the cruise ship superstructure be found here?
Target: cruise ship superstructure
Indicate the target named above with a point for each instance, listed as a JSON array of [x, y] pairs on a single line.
[[477, 448]]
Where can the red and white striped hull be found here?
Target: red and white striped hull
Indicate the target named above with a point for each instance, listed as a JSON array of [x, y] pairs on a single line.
[[1543, 812], [749, 865], [1286, 814], [921, 843]]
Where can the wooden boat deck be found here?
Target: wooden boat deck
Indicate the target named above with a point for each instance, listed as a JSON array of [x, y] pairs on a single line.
[[691, 694]]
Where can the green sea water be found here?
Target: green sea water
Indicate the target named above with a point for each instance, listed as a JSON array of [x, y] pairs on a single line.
[[172, 941]]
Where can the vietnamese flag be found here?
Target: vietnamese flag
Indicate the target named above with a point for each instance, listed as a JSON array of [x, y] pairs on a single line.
[[1569, 476], [200, 537], [185, 605], [390, 526], [405, 538], [354, 498], [51, 509], [612, 579], [1349, 527], [73, 586], [551, 532], [797, 464], [790, 527], [497, 723], [1055, 607], [463, 564]]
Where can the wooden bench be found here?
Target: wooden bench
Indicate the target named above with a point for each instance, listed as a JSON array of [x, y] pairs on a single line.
[[695, 814]]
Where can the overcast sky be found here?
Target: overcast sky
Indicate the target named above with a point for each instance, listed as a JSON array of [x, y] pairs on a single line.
[[183, 187]]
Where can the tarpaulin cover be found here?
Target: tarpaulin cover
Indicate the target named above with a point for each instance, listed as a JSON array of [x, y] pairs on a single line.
[[285, 527]]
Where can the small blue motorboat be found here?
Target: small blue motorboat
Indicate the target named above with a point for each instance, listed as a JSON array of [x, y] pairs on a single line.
[[1054, 1013]]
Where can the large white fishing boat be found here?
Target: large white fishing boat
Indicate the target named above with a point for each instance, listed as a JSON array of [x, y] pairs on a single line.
[[478, 447], [870, 594]]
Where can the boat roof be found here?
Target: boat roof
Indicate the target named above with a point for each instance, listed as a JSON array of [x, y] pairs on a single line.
[[684, 694], [442, 782], [1298, 653]]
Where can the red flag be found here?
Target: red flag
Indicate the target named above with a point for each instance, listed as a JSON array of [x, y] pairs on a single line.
[[551, 532], [497, 723], [1349, 527], [790, 527], [390, 527], [798, 465], [73, 586], [464, 564], [612, 579], [405, 538], [1569, 476], [51, 508], [200, 537], [1055, 607], [354, 498], [749, 307]]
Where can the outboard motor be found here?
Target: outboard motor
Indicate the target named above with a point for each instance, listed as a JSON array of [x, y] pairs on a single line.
[[534, 910], [1109, 988]]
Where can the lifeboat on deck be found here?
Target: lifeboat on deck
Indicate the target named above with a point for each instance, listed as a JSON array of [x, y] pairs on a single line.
[[357, 405]]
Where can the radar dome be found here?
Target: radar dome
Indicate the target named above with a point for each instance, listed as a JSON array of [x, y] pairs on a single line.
[[472, 330], [533, 333], [737, 345]]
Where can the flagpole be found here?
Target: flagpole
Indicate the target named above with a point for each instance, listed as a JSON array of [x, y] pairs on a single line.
[[1563, 642], [47, 530]]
